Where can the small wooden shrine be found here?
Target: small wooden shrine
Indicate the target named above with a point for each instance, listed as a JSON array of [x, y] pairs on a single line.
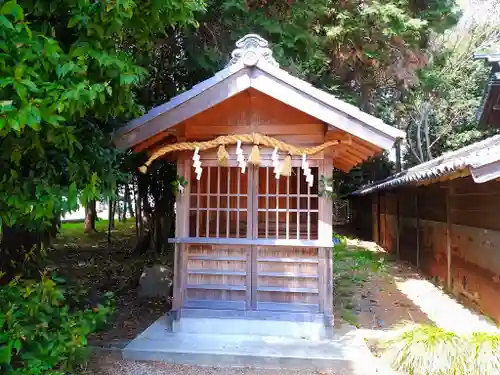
[[252, 232]]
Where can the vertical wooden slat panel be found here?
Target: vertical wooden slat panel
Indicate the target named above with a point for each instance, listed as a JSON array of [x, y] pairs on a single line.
[[187, 194], [325, 215], [417, 215], [277, 207], [253, 276], [238, 205], [253, 209], [228, 212], [181, 212], [183, 277], [376, 217], [198, 208], [255, 233], [268, 170], [322, 285], [298, 202], [250, 201], [217, 224], [398, 227], [309, 211], [250, 287], [328, 301], [176, 303], [208, 204], [287, 208], [449, 225]]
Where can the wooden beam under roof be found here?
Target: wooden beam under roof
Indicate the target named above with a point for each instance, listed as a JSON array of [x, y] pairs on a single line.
[[354, 153], [340, 134], [341, 164], [166, 137]]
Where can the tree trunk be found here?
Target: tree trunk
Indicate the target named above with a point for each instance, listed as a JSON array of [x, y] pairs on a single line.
[[128, 201], [118, 208], [427, 107], [419, 139], [110, 219], [125, 203], [112, 208], [137, 202], [90, 216]]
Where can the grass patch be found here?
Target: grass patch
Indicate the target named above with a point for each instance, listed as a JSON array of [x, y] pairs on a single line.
[[429, 350], [352, 267], [72, 234], [350, 317]]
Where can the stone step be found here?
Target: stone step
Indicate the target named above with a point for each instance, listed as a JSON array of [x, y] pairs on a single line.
[[312, 330], [347, 353]]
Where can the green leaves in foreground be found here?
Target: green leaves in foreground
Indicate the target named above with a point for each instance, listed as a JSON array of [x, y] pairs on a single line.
[[428, 350], [69, 71], [39, 332]]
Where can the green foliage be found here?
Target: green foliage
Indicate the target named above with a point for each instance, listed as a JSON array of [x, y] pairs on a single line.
[[39, 332], [356, 262], [179, 184], [343, 184], [348, 316], [379, 45], [69, 71], [352, 266], [360, 52], [428, 350], [439, 115], [326, 187]]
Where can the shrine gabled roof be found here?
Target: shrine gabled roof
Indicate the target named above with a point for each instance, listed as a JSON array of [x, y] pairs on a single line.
[[252, 66]]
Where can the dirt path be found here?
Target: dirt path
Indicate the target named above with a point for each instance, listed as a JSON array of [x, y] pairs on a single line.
[[393, 296], [381, 305]]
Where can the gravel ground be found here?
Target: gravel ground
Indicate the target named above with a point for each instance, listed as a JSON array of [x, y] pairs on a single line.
[[106, 364]]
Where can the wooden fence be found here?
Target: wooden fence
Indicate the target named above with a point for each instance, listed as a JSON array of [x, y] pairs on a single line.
[[449, 230]]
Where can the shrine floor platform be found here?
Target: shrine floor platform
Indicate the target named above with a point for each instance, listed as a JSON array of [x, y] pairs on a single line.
[[346, 352]]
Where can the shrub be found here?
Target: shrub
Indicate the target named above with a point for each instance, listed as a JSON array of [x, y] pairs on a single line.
[[39, 332], [428, 350]]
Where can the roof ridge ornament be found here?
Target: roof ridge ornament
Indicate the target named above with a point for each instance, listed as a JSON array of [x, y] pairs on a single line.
[[250, 49]]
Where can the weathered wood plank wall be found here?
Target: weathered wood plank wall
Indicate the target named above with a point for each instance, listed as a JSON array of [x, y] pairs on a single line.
[[473, 223]]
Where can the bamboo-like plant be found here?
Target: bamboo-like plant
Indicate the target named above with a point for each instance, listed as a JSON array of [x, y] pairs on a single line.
[[429, 350], [483, 354]]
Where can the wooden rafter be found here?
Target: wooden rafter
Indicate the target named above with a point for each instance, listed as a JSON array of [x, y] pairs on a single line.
[[342, 164]]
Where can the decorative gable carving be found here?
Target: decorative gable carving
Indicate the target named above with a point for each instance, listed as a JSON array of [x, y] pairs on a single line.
[[250, 49]]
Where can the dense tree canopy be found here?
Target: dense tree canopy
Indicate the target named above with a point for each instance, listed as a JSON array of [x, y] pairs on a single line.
[[64, 85], [440, 113], [68, 70]]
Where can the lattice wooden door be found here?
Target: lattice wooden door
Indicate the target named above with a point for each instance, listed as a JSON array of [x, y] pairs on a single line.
[[256, 209], [285, 277]]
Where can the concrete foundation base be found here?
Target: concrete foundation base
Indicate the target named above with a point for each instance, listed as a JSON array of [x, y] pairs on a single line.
[[314, 330], [347, 352]]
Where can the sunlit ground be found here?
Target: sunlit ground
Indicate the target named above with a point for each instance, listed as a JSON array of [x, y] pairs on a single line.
[[443, 310]]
